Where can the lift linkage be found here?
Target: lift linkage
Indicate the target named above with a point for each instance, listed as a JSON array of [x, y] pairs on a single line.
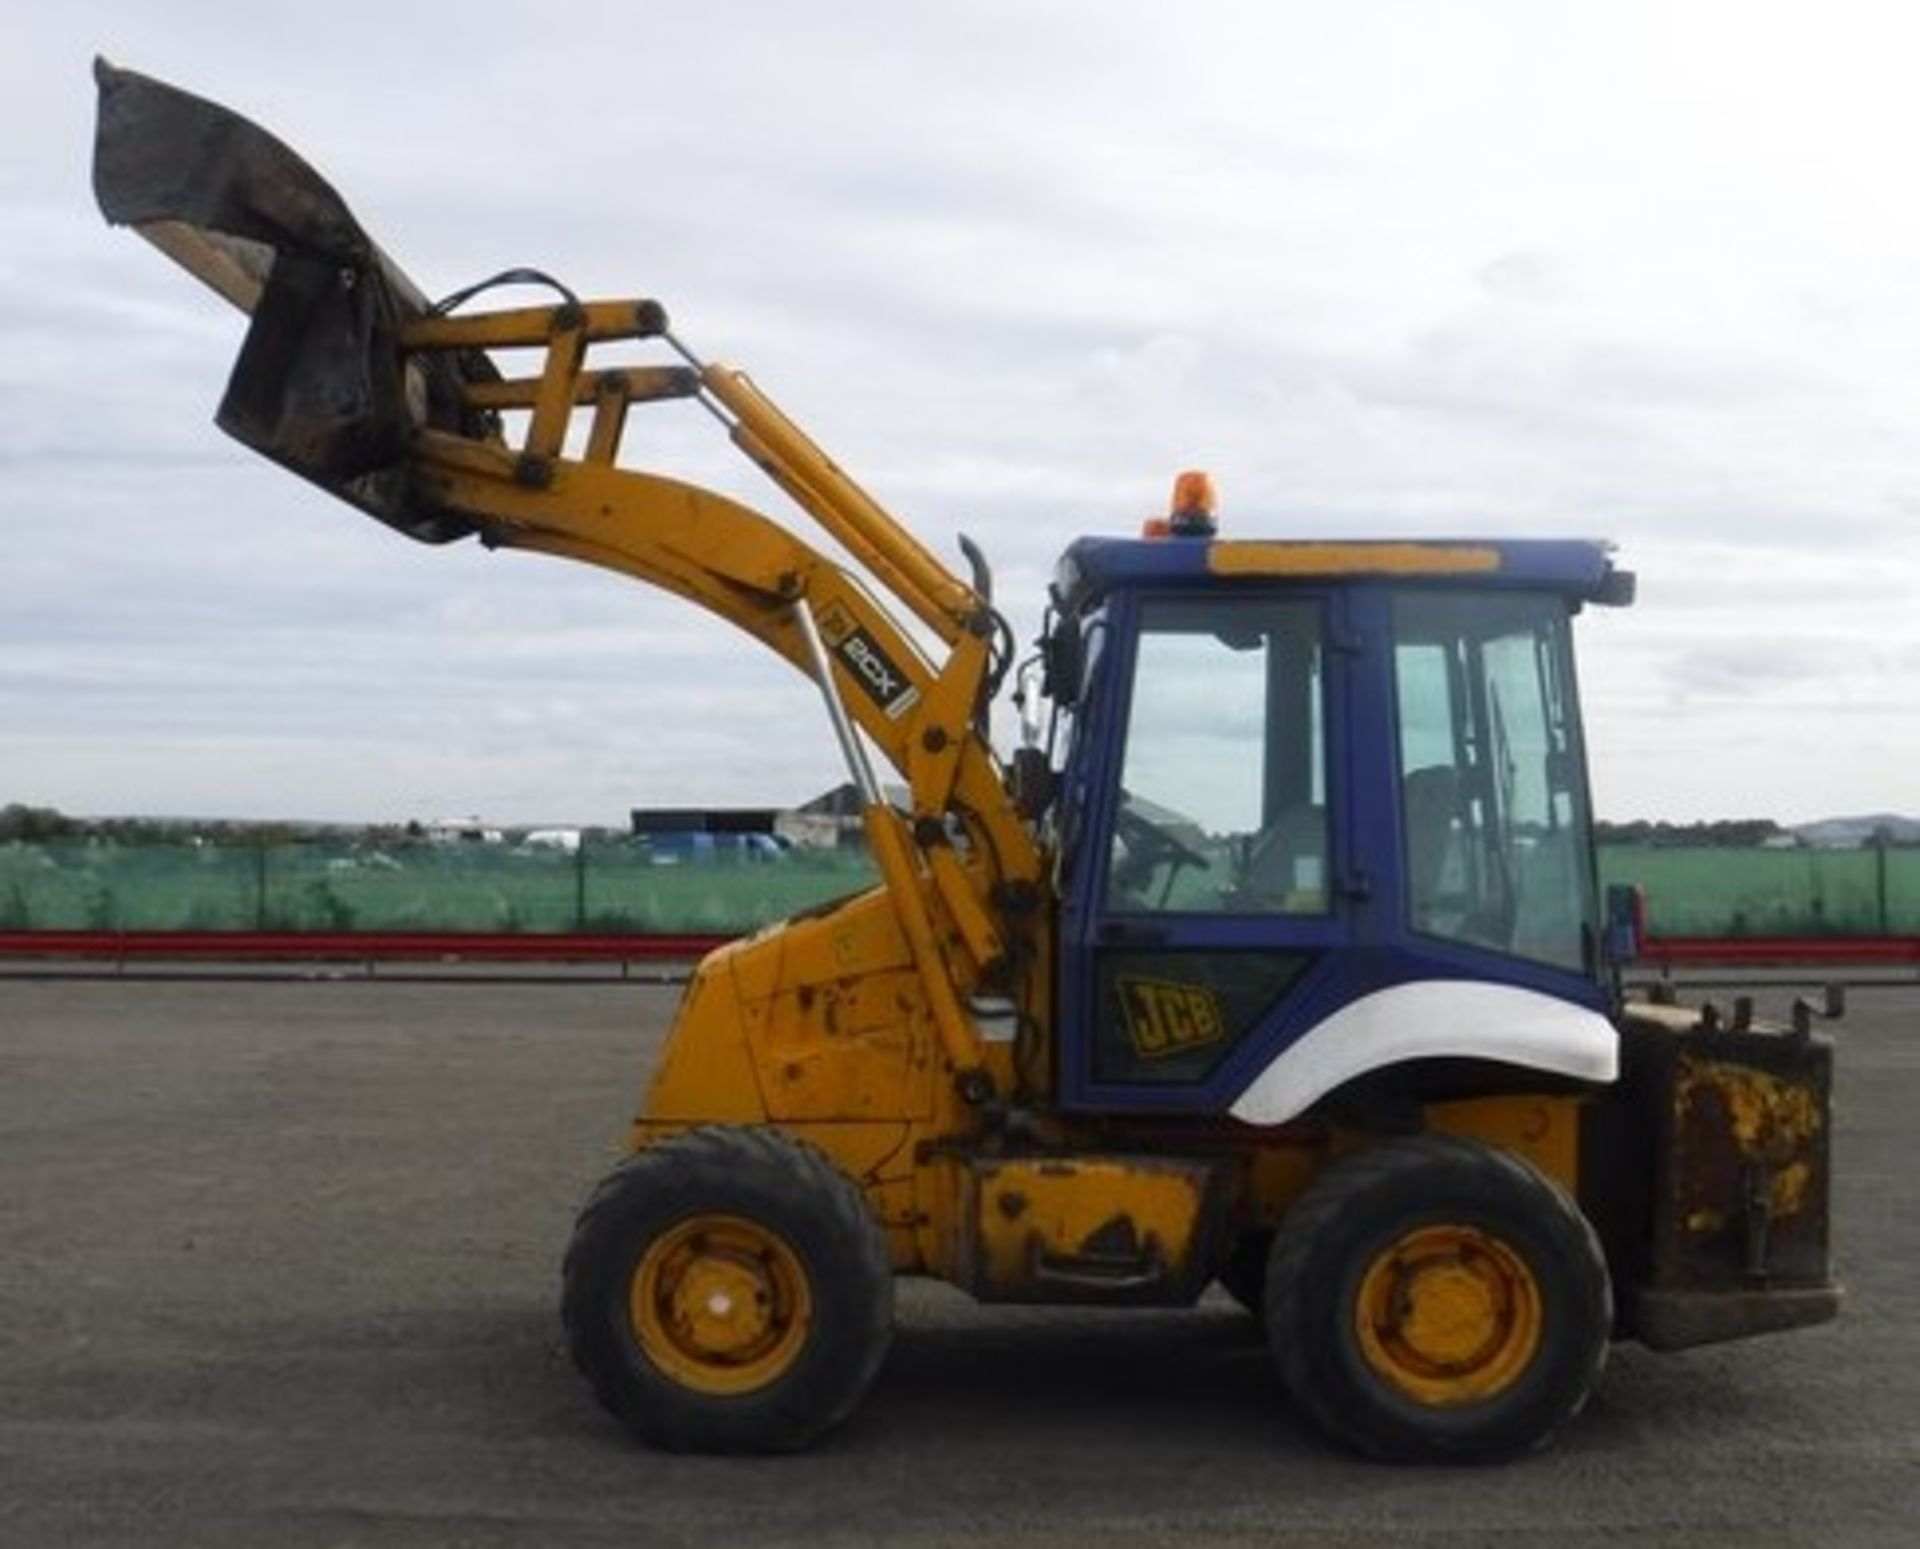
[[528, 493], [350, 378]]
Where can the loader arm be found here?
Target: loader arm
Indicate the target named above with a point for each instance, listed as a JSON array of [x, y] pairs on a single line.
[[351, 379]]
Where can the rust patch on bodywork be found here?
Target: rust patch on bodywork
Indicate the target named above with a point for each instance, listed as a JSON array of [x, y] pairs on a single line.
[[1118, 1229], [1774, 1124]]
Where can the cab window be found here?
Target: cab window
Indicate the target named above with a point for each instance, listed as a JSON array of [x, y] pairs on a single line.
[[1222, 801], [1495, 831]]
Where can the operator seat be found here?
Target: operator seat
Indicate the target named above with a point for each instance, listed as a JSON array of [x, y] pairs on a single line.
[[1429, 801], [1285, 870]]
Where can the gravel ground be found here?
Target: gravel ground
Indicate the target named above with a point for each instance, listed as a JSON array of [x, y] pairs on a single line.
[[280, 1269]]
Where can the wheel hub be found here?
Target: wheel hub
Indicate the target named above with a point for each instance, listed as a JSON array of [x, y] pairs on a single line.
[[1448, 1315], [720, 1304]]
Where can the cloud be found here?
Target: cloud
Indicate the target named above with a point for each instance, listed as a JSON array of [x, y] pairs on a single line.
[[1382, 270]]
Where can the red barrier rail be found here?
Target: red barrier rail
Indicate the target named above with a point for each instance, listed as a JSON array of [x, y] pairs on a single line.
[[527, 947], [1781, 951]]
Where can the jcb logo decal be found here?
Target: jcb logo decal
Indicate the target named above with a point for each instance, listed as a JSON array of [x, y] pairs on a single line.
[[1166, 1018]]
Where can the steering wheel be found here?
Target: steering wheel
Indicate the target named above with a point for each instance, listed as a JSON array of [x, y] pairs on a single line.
[[1149, 846]]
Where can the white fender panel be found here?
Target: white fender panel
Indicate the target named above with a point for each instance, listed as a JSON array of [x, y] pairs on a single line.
[[1432, 1019]]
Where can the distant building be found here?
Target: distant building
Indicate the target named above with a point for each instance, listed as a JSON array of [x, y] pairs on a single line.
[[677, 836], [832, 819], [702, 820], [461, 831], [567, 839]]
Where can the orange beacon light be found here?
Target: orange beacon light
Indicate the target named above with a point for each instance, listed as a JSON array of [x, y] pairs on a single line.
[[1191, 513]]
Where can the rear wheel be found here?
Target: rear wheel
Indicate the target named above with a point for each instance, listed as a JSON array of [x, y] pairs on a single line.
[[728, 1291], [1438, 1299]]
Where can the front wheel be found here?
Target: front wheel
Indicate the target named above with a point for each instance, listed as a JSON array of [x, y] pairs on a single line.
[[728, 1290], [1436, 1299]]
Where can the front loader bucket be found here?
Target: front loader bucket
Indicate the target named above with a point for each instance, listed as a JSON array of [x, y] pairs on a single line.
[[320, 384]]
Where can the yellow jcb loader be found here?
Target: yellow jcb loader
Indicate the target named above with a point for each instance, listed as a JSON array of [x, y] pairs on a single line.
[[1274, 956]]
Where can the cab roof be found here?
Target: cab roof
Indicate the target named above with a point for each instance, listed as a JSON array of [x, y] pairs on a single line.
[[1579, 568]]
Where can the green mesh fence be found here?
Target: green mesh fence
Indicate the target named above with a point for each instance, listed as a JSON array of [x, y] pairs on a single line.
[[83, 885], [1772, 892], [1902, 892], [620, 886]]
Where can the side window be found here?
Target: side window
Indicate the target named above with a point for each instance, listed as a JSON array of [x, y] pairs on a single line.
[[1495, 834], [1222, 801]]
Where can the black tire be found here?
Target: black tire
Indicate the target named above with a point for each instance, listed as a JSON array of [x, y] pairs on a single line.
[[1528, 1259], [1244, 1275], [782, 1233]]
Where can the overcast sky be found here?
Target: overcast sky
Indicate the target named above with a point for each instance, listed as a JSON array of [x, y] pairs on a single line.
[[1642, 272]]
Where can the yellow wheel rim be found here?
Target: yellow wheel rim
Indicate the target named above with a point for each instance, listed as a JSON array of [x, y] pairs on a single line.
[[720, 1304], [1448, 1315]]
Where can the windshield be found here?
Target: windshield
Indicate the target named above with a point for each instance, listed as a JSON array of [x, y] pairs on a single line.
[[1493, 799]]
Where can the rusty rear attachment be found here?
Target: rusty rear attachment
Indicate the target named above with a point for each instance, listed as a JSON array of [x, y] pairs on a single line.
[[1728, 1232]]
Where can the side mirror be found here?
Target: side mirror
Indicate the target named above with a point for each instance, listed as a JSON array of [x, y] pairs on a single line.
[[1626, 932], [1034, 783], [1063, 656]]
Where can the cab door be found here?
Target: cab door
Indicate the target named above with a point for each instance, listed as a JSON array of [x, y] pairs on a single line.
[[1209, 867]]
